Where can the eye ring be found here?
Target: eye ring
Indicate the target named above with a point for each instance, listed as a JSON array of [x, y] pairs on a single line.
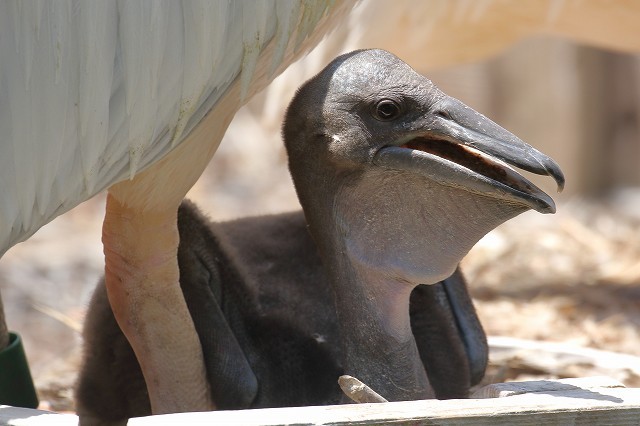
[[387, 110]]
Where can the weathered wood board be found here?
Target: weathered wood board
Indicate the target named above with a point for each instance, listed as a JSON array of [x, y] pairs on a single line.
[[578, 407], [587, 401]]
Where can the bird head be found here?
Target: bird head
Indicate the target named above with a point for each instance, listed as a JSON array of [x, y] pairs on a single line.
[[402, 166]]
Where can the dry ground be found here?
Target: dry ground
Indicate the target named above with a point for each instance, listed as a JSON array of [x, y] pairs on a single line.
[[572, 278]]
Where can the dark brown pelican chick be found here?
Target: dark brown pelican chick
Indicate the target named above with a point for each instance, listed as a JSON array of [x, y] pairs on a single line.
[[397, 182]]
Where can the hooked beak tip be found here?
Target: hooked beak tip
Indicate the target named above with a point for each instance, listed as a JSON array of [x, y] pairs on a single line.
[[556, 173]]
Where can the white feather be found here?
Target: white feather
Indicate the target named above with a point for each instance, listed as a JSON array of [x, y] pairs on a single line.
[[254, 23], [92, 92], [98, 50], [287, 15]]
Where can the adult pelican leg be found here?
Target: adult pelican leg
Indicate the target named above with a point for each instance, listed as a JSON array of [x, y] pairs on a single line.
[[142, 275], [140, 238]]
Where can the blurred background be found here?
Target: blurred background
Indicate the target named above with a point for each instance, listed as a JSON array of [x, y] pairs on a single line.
[[568, 281]]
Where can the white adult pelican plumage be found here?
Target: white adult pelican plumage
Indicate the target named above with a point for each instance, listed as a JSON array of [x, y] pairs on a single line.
[[135, 97]]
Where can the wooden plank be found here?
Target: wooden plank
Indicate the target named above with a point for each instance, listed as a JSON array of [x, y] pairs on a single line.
[[558, 403], [14, 416], [597, 406]]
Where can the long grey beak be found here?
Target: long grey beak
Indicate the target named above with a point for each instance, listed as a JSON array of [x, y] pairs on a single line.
[[474, 129], [457, 146]]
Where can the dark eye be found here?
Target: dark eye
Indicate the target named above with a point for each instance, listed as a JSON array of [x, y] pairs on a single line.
[[387, 110], [443, 114]]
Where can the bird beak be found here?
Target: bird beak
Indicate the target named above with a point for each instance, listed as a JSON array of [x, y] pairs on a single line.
[[460, 147]]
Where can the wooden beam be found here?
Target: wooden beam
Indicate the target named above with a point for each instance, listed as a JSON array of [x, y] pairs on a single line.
[[14, 416], [581, 406], [588, 401]]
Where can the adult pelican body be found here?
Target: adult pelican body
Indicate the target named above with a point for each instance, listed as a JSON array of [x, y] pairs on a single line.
[[134, 97]]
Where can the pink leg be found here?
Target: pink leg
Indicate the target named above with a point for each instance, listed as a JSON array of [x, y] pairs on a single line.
[[142, 281], [140, 238]]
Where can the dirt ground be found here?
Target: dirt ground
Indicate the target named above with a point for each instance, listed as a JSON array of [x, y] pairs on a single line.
[[571, 278]]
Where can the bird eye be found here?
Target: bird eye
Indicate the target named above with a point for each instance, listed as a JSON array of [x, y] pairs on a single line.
[[387, 110], [443, 114]]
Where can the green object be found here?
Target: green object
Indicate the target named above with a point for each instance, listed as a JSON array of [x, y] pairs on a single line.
[[16, 385]]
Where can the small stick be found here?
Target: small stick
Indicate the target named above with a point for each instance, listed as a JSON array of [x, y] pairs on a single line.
[[358, 391]]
